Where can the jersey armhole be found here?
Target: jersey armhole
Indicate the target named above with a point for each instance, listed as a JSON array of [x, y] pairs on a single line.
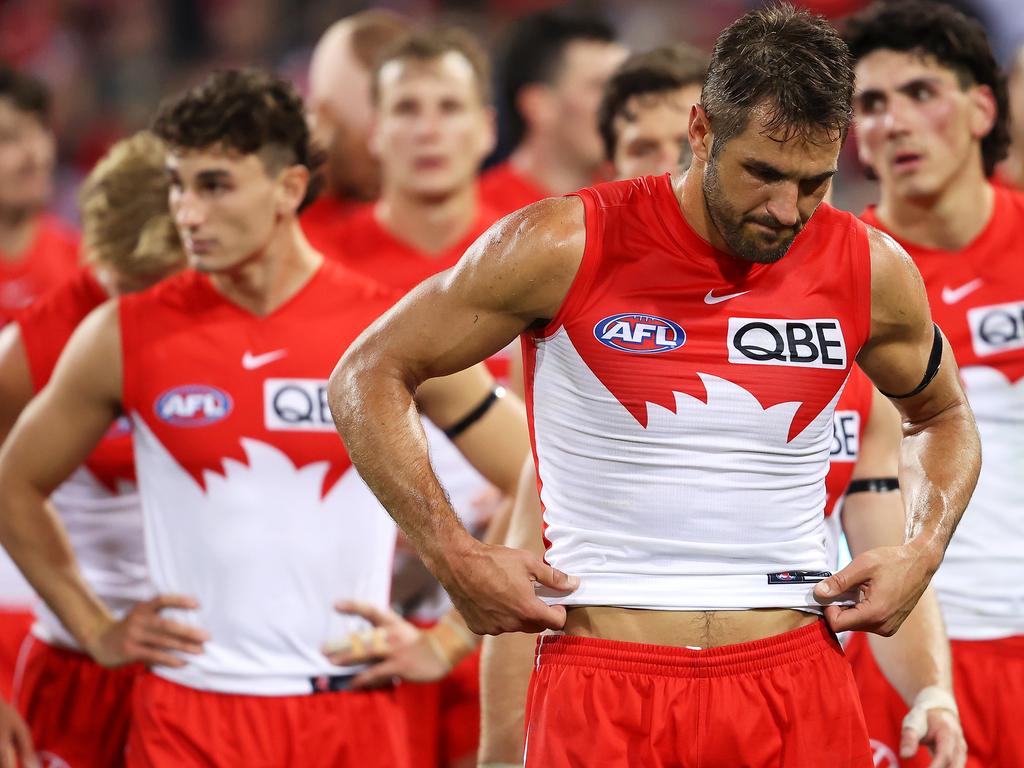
[[862, 279], [129, 384], [593, 217]]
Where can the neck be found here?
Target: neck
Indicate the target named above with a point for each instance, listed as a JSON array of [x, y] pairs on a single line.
[[548, 166], [17, 230], [431, 225], [271, 277], [948, 220], [690, 194]]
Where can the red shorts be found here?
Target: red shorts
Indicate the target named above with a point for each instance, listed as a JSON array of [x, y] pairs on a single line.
[[15, 624], [988, 679], [787, 701], [444, 717], [67, 699], [178, 727]]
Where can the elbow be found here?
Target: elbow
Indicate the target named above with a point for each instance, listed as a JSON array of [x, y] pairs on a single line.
[[343, 389]]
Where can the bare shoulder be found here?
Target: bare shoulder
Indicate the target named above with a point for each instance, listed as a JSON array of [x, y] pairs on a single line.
[[91, 361], [897, 290], [528, 258]]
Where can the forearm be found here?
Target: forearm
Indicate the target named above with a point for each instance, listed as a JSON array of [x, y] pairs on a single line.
[[33, 535], [939, 466], [918, 655], [504, 679], [380, 425]]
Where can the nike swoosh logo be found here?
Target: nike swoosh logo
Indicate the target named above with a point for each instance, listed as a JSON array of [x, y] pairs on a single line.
[[953, 295], [251, 362], [712, 299]]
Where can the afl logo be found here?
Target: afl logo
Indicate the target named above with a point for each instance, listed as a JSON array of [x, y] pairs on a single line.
[[193, 405], [639, 333]]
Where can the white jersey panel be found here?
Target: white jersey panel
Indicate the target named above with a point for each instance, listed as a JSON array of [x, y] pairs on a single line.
[[105, 530], [692, 512], [269, 554], [981, 581]]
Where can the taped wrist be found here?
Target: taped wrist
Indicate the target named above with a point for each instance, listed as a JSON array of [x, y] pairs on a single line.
[[932, 697]]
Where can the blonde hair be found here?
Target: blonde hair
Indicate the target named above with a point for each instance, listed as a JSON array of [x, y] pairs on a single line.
[[126, 223]]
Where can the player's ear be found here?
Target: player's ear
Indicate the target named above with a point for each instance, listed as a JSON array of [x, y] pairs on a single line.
[[292, 183], [491, 120], [700, 135], [536, 105], [983, 110], [373, 142]]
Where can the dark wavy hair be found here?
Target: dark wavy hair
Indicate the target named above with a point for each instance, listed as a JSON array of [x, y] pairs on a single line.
[[658, 71], [26, 93], [790, 60], [955, 41], [247, 111]]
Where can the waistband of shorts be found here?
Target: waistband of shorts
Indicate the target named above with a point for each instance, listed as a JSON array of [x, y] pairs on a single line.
[[755, 656], [1012, 647]]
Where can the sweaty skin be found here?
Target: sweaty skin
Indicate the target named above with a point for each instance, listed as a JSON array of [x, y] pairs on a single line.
[[518, 274]]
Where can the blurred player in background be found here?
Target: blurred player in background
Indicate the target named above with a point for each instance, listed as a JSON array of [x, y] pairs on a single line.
[[340, 116], [931, 122], [550, 74], [129, 243], [37, 252], [255, 521], [645, 110], [433, 127]]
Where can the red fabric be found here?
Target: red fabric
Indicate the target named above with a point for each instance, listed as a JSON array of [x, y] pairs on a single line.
[[988, 680], [787, 701], [322, 219], [15, 624], [46, 327], [174, 726], [505, 189], [50, 259], [68, 700], [443, 718], [851, 416]]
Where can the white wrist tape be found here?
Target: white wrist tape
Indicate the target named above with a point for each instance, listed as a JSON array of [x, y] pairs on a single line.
[[932, 697]]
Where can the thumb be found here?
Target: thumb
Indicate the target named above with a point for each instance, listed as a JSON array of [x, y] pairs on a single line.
[[846, 580], [551, 582], [910, 741]]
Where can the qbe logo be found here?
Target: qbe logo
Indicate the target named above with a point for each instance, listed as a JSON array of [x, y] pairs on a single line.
[[639, 333], [296, 405], [804, 343], [193, 405], [845, 436], [999, 328]]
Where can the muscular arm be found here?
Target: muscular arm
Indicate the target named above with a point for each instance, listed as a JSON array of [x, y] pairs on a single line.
[[940, 454], [54, 435], [507, 659], [514, 276], [15, 378]]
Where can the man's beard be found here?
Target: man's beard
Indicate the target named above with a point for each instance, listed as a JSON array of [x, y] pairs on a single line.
[[730, 224]]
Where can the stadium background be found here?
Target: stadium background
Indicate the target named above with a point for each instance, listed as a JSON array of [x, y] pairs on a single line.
[[110, 61]]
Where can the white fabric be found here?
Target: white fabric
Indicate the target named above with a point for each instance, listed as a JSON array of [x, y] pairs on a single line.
[[691, 512]]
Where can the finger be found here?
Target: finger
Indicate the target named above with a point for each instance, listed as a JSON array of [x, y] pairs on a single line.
[[23, 746], [855, 617], [551, 579], [910, 741], [550, 617], [172, 601], [359, 647], [182, 632], [850, 577], [155, 657], [377, 675], [8, 757], [169, 643], [372, 613], [944, 743]]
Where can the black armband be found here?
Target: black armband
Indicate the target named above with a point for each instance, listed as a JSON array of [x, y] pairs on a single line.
[[873, 485], [475, 415], [929, 373]]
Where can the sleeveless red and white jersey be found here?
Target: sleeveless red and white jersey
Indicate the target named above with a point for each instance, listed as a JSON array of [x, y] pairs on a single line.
[[848, 424], [977, 298], [99, 503], [681, 406], [251, 504]]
